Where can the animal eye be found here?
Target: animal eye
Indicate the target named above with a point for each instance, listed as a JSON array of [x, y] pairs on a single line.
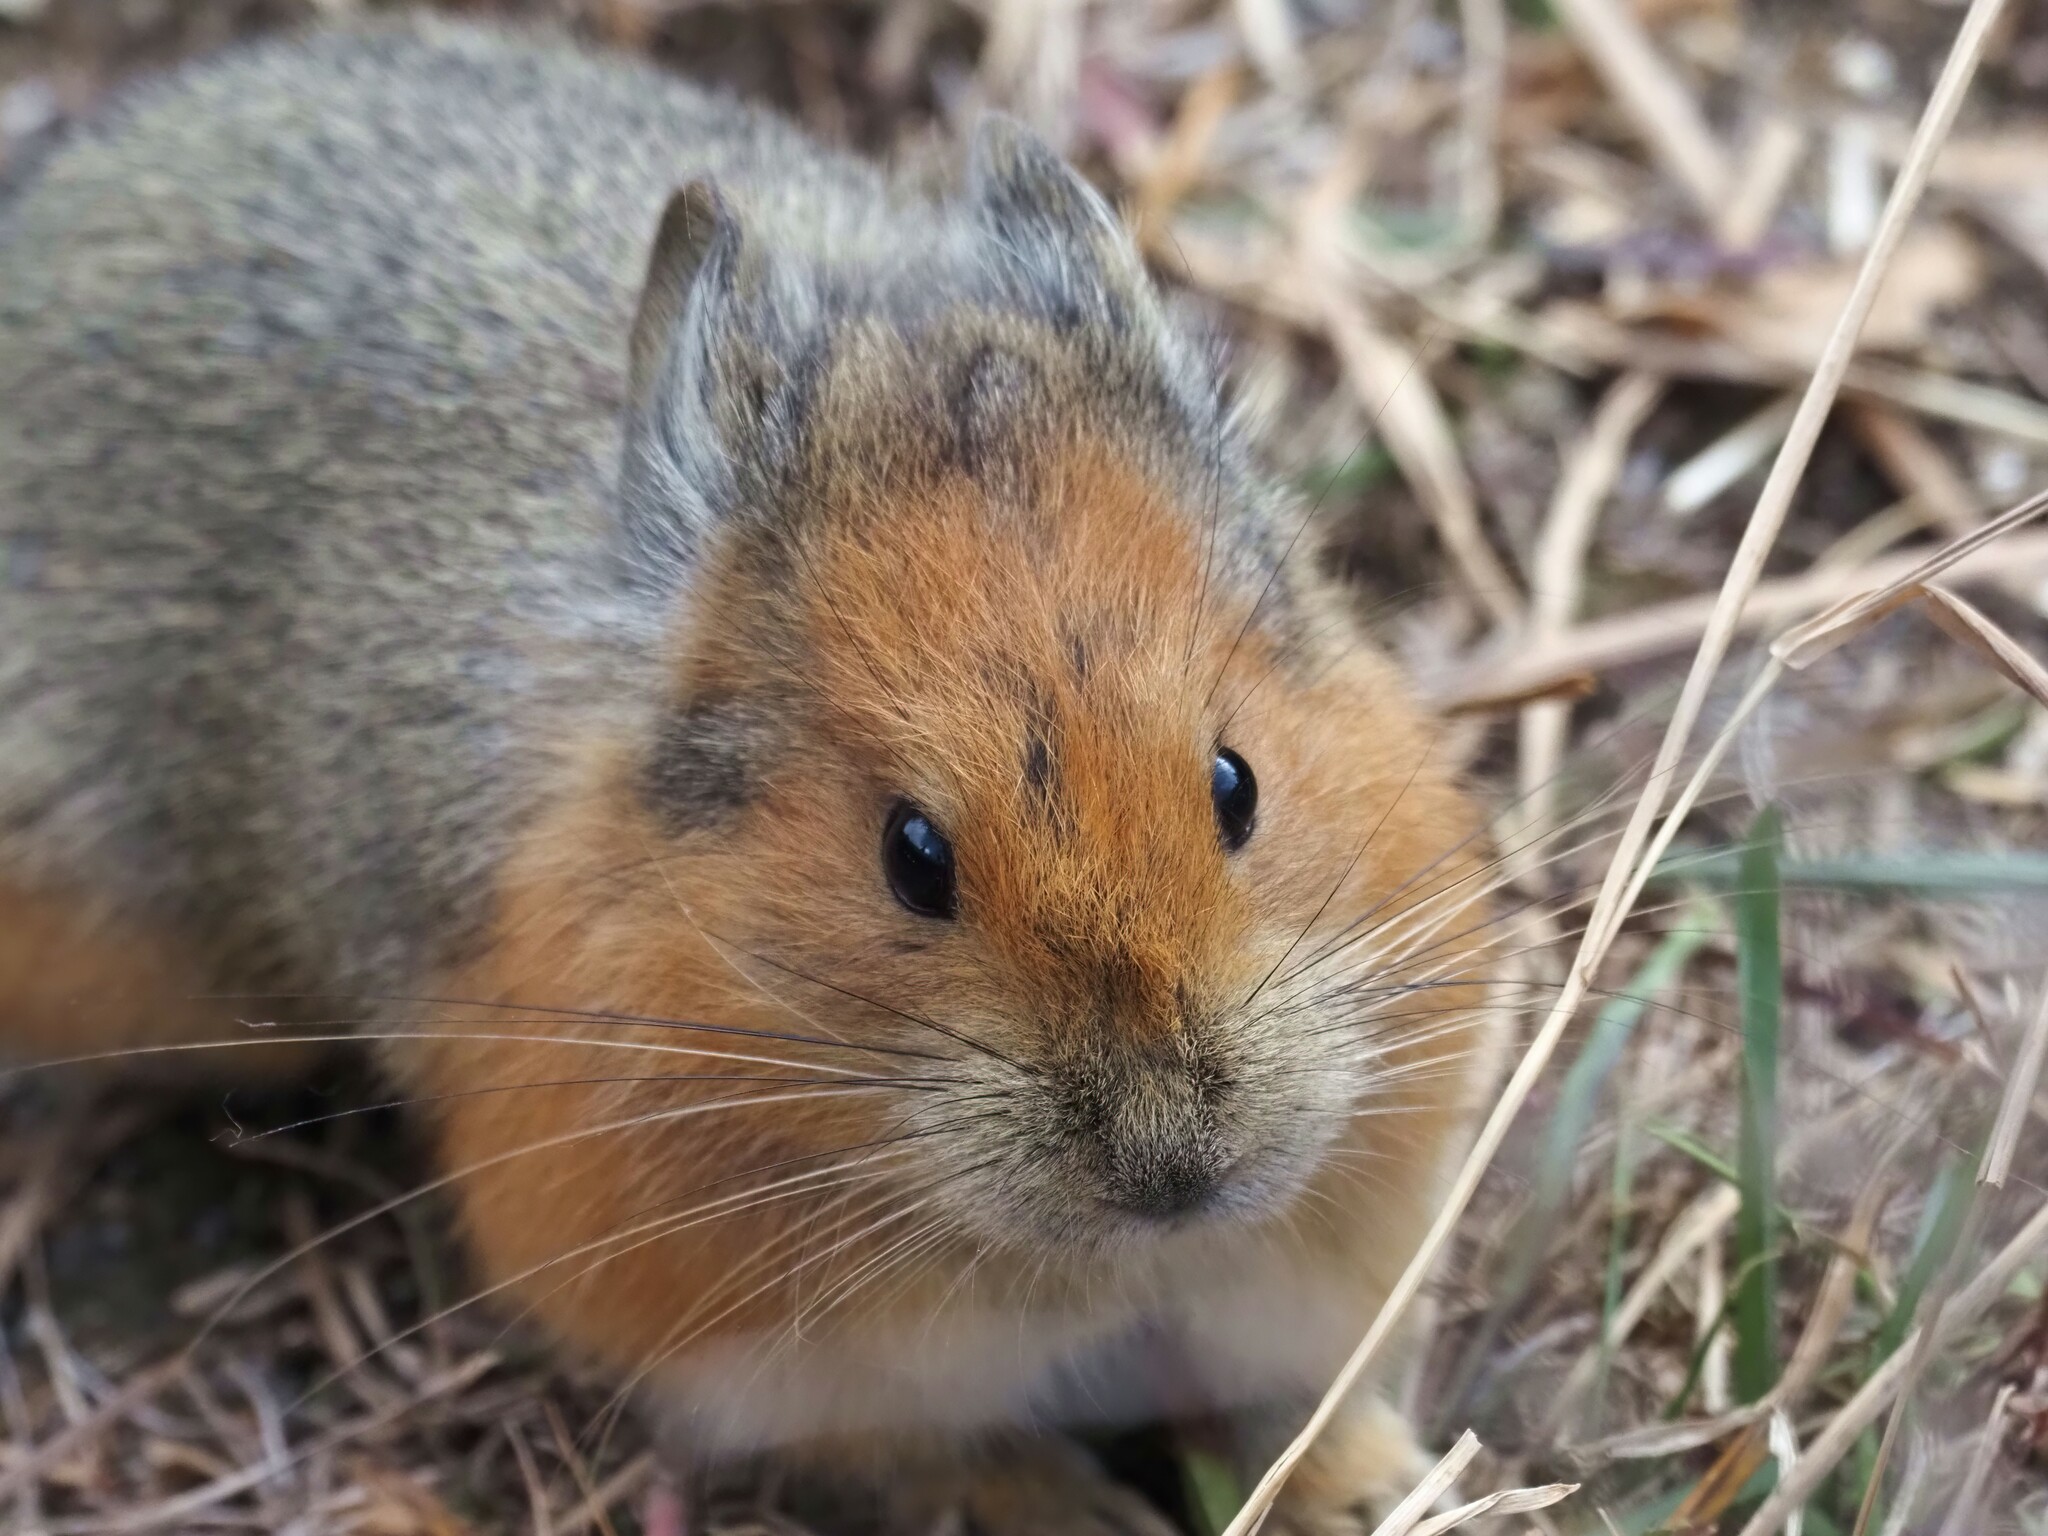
[[919, 862], [1236, 794]]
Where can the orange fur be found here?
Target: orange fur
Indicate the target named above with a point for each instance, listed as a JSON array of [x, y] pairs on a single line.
[[77, 982], [945, 640]]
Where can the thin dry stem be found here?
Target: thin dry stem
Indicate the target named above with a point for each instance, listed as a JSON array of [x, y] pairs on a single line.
[[1861, 1411]]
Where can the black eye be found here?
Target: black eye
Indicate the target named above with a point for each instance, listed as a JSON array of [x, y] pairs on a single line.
[[1236, 794], [919, 862]]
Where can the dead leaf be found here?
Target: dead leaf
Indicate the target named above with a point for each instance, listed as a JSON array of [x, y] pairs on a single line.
[[1725, 1479], [1786, 313], [1963, 621]]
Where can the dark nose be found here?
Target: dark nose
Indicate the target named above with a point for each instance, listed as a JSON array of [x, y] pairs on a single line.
[[1163, 1181], [1162, 1154]]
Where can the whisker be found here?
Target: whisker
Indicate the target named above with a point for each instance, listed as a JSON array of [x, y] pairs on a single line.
[[919, 1084], [262, 1035], [1342, 878], [958, 1036], [444, 1180], [592, 1015], [660, 1227]]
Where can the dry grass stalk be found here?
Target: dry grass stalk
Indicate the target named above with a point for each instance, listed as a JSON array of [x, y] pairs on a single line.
[[1784, 1444], [1580, 340], [1660, 629], [1616, 888], [1878, 1390], [1967, 624], [1557, 573], [1178, 164], [1700, 1223], [1962, 1514], [1450, 1467], [1724, 1480], [1513, 1501], [1269, 38], [2016, 1108], [1394, 387], [1418, 435], [1728, 458], [1916, 464], [596, 1506], [1760, 182], [1967, 556], [29, 1467], [1484, 33], [1656, 100], [51, 1166], [536, 1490], [1831, 1307]]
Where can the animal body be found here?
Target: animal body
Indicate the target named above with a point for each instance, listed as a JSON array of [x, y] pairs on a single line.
[[776, 696]]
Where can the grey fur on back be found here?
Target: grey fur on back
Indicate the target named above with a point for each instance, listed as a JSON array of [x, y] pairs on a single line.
[[317, 548], [314, 360]]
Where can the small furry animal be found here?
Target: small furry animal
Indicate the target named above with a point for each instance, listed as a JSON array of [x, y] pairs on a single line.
[[911, 917]]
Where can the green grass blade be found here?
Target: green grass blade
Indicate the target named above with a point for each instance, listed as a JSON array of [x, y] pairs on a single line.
[[1696, 1364], [1928, 873], [1213, 1494], [1620, 1192], [1679, 1139], [1941, 1222], [1760, 981], [1578, 1103]]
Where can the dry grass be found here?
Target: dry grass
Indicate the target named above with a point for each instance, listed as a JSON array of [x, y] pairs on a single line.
[[1575, 275]]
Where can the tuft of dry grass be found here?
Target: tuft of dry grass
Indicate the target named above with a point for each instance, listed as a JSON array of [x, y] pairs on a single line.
[[1682, 321]]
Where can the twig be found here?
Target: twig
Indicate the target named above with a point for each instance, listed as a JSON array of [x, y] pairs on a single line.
[[1759, 183], [596, 1507], [1963, 1513], [1650, 91], [1485, 27], [2015, 1107], [1663, 628], [1557, 577]]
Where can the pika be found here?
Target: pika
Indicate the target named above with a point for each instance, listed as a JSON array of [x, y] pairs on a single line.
[[782, 701]]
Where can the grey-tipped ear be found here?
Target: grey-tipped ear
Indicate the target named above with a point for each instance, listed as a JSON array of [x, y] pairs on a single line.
[[723, 352], [696, 232], [1025, 192]]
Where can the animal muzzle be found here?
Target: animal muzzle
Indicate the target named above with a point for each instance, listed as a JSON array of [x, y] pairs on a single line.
[[1160, 1143]]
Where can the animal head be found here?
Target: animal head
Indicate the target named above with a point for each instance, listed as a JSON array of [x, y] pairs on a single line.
[[1002, 730]]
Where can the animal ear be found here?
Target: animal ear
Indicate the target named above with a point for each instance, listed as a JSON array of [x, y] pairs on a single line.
[[1027, 194], [673, 476], [719, 360], [696, 232]]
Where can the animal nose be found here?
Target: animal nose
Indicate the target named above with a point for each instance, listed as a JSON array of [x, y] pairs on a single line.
[[1155, 1122], [1161, 1157], [1163, 1183]]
